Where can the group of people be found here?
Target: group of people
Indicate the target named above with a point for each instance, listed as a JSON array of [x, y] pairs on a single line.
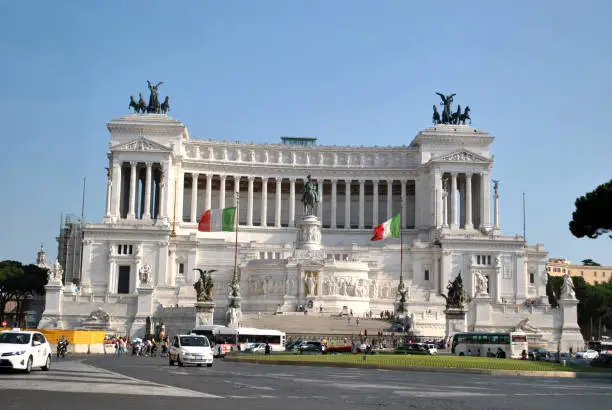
[[140, 347]]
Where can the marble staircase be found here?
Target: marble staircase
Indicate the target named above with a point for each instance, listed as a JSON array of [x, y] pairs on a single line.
[[314, 323]]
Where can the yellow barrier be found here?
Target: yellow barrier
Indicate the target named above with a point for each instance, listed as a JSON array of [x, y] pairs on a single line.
[[85, 337]]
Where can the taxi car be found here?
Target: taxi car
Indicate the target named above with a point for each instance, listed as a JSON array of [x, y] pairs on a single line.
[[190, 349], [24, 350]]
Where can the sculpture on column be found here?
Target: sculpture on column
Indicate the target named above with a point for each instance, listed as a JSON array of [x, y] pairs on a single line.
[[204, 285], [495, 188], [154, 104], [310, 197], [455, 298], [144, 275], [482, 283], [457, 117], [567, 290]]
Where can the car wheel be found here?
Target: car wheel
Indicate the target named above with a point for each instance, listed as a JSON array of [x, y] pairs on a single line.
[[28, 368], [180, 363], [47, 365], [170, 361], [208, 364], [199, 364]]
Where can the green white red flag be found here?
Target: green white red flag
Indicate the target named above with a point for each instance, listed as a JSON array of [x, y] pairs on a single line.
[[218, 220], [388, 229]]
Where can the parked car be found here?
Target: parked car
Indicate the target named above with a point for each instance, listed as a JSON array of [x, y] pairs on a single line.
[[190, 349], [416, 348], [312, 347], [24, 350], [587, 355]]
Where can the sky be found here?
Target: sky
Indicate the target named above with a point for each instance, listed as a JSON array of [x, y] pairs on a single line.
[[536, 74]]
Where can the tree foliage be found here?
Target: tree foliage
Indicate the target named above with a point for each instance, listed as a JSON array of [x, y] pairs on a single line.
[[19, 282], [592, 216], [590, 262], [594, 303]]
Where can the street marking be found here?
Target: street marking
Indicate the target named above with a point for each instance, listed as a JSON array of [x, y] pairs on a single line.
[[443, 394], [97, 381], [249, 386]]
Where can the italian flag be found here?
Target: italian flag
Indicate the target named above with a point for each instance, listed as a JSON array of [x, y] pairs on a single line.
[[217, 220], [388, 229]]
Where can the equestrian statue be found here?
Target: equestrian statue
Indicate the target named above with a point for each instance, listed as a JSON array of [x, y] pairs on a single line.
[[310, 197]]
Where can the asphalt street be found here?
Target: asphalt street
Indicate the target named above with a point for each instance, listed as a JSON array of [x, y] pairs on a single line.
[[103, 382]]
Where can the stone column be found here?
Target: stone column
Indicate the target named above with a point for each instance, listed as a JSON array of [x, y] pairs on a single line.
[[485, 198], [375, 203], [468, 201], [109, 186], [180, 187], [439, 204], [334, 202], [132, 211], [264, 201], [347, 204], [389, 198], [148, 183], [320, 204], [116, 211], [194, 196], [208, 203], [361, 204], [222, 192], [250, 208], [291, 202], [163, 195], [277, 208], [496, 211], [444, 209], [112, 270], [404, 212], [453, 210]]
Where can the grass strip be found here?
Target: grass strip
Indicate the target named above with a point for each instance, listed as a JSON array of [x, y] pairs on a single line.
[[441, 361]]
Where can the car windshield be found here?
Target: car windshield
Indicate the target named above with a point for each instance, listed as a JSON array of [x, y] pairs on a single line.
[[15, 338], [194, 341]]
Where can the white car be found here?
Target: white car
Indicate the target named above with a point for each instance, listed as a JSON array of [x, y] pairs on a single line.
[[588, 355], [190, 349], [24, 350]]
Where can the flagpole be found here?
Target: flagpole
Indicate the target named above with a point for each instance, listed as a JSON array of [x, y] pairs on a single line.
[[237, 224]]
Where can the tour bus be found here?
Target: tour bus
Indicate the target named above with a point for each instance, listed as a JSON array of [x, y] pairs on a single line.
[[225, 338], [471, 343]]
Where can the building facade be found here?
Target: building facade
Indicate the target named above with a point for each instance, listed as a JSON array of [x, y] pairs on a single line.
[[160, 180], [593, 275]]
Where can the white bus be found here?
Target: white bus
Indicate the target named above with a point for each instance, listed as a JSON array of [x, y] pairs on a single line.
[[485, 344], [225, 338]]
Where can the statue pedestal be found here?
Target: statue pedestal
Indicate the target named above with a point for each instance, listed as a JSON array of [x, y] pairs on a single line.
[[482, 310], [456, 321], [51, 317], [570, 331], [204, 313], [234, 312], [145, 301], [309, 233]]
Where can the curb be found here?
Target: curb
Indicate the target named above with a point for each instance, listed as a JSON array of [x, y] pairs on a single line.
[[491, 372]]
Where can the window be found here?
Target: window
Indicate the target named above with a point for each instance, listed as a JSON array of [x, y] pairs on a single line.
[[124, 249], [532, 278], [123, 280], [477, 259], [262, 255], [595, 274], [277, 255], [426, 274], [181, 268], [488, 259], [596, 282]]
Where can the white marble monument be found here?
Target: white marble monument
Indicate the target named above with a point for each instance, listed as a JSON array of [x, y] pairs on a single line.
[[138, 260]]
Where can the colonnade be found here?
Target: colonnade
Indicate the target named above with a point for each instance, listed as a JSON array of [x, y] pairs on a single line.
[[333, 192], [465, 200], [126, 179]]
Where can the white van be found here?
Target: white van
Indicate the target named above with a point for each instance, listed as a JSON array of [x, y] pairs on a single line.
[[190, 349]]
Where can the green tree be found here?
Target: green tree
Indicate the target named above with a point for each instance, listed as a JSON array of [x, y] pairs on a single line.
[[19, 283], [590, 262], [592, 216]]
